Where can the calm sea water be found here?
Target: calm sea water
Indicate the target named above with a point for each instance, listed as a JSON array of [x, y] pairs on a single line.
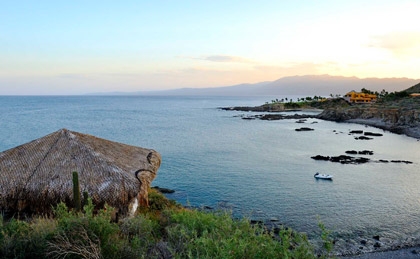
[[260, 169]]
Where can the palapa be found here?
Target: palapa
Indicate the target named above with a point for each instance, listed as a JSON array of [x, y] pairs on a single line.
[[37, 175]]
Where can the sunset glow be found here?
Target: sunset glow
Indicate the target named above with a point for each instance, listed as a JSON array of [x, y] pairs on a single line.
[[78, 47]]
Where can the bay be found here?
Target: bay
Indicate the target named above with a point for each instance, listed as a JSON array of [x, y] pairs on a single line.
[[259, 169]]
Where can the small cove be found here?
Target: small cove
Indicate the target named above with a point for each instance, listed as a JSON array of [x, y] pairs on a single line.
[[259, 169]]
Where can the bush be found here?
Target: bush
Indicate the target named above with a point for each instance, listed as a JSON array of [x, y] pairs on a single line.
[[21, 239], [158, 202], [394, 96], [173, 232], [141, 234], [194, 234], [79, 233], [292, 105]]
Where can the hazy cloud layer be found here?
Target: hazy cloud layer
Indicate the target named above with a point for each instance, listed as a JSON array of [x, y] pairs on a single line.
[[225, 58], [398, 42]]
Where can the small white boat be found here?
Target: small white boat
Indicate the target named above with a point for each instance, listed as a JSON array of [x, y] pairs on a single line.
[[323, 176]]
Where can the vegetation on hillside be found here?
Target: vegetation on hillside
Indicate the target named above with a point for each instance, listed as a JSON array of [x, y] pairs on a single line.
[[308, 102], [165, 230], [384, 97], [413, 89]]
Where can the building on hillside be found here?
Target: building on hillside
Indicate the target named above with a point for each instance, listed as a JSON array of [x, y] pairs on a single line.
[[359, 97], [415, 95]]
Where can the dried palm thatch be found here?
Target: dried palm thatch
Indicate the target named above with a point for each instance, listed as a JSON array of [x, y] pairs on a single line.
[[38, 175]]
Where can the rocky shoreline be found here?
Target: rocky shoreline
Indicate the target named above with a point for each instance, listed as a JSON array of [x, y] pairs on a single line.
[[394, 120], [363, 247], [400, 117]]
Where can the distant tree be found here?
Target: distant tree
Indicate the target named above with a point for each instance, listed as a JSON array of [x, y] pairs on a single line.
[[366, 91], [395, 96], [383, 93]]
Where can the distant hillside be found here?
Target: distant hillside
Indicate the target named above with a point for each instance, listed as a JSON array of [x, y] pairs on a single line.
[[414, 89], [235, 90], [326, 85], [310, 85]]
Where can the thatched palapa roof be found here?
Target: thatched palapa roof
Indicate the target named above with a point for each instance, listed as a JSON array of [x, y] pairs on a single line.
[[37, 175]]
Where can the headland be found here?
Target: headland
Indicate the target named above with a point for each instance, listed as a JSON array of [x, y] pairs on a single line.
[[399, 115]]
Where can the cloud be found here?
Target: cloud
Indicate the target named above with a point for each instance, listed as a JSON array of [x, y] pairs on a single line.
[[72, 76], [225, 58], [304, 68], [400, 43]]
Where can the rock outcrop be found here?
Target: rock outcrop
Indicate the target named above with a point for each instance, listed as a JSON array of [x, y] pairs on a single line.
[[401, 118], [304, 129], [343, 159]]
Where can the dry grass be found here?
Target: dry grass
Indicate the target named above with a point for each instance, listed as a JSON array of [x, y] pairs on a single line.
[[78, 243]]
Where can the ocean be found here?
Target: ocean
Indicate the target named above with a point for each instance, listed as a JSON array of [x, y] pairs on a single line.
[[257, 169]]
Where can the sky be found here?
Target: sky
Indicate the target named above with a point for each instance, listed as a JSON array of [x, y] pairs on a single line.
[[77, 47]]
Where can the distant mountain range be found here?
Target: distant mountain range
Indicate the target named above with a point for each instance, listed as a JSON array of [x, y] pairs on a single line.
[[310, 85]]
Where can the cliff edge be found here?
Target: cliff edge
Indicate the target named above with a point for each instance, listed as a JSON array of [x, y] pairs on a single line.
[[399, 116]]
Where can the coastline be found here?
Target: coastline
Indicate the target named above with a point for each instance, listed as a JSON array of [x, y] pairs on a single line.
[[413, 132], [387, 250], [337, 116]]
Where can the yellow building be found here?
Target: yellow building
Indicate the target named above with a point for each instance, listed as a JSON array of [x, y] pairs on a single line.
[[358, 97]]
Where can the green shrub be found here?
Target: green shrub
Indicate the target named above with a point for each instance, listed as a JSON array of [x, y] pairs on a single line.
[[158, 202], [21, 239], [194, 234], [14, 241], [140, 235], [292, 105], [327, 241], [174, 232], [93, 232], [140, 226]]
